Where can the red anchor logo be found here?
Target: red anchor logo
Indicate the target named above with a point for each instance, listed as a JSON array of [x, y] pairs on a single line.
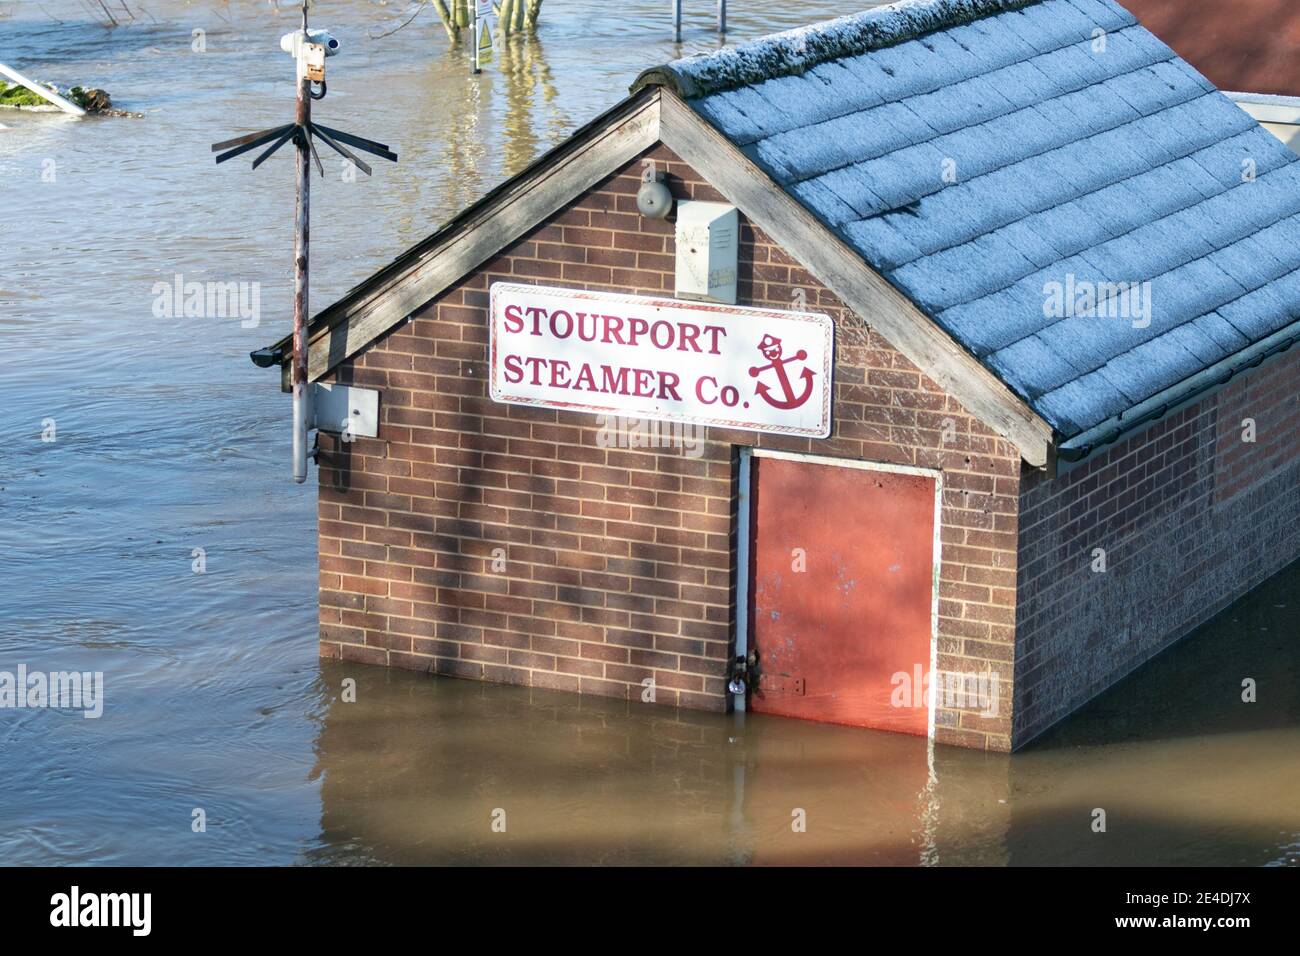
[[771, 349]]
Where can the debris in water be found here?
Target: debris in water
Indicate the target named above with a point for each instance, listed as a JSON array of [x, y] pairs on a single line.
[[20, 97], [97, 101], [90, 99]]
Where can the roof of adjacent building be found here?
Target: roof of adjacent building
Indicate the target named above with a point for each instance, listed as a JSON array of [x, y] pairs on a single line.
[[979, 153], [1249, 46]]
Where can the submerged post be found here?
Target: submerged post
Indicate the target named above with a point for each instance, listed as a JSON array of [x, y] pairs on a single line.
[[722, 17], [677, 21], [474, 67]]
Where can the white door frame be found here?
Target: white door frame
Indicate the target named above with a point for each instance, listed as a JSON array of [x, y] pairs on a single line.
[[744, 519]]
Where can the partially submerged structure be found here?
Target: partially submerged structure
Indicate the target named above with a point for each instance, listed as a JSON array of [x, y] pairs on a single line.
[[971, 325]]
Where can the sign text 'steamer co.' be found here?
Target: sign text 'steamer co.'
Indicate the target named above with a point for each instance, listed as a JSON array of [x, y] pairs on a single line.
[[665, 359]]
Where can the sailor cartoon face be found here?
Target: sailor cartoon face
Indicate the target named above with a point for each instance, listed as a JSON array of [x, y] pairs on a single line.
[[770, 347]]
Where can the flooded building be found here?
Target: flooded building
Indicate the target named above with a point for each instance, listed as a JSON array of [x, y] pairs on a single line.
[[1250, 49], [927, 369]]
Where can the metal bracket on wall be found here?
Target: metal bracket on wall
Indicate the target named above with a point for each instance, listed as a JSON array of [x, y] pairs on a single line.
[[345, 410], [781, 684]]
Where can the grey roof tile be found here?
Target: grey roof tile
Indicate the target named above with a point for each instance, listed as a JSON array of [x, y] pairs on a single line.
[[1206, 350], [824, 202], [1082, 402], [855, 137], [965, 272], [1219, 330], [893, 247], [1105, 14], [1027, 363], [1150, 367], [1043, 30], [1265, 310]]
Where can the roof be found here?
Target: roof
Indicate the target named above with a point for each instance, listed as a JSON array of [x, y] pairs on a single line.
[[1252, 46], [1075, 160], [940, 165]]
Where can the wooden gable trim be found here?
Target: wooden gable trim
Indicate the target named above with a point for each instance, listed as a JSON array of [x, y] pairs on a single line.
[[602, 148], [858, 286], [487, 227]]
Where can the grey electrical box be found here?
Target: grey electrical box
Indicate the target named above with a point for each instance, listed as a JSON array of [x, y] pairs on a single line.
[[346, 410], [708, 239]]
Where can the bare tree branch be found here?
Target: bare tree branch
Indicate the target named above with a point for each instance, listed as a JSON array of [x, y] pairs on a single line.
[[380, 36]]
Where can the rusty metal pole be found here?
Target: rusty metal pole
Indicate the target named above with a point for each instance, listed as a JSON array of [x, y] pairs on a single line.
[[301, 392], [309, 53], [473, 38]]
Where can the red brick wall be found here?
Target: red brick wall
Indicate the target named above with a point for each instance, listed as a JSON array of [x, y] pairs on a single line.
[[1267, 398], [618, 562], [1190, 518]]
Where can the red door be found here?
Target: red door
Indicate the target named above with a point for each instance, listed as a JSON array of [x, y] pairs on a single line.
[[842, 583]]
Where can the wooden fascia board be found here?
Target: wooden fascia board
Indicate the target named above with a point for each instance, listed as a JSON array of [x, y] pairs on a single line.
[[845, 273], [524, 203]]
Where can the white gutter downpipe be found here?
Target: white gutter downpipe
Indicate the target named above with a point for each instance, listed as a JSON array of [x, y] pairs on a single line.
[[301, 422], [66, 105]]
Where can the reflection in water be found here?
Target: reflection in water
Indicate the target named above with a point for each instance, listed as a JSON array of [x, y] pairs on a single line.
[[1187, 773], [462, 137], [505, 118], [415, 775], [529, 89]]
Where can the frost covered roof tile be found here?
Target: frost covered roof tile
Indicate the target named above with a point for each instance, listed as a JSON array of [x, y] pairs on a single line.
[[978, 153]]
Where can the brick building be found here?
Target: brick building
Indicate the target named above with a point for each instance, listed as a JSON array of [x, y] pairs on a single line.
[[1058, 423]]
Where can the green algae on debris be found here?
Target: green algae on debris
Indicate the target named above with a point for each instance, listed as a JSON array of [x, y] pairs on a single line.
[[13, 94], [90, 99]]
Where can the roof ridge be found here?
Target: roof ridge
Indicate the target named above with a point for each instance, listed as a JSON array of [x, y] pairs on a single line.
[[796, 51]]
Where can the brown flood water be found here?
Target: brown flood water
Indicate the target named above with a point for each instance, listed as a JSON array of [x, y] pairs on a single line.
[[1188, 774]]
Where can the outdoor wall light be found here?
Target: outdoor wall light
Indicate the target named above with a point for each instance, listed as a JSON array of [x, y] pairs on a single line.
[[653, 199]]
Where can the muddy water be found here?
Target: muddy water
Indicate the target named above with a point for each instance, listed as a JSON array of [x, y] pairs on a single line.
[[169, 448], [1187, 773]]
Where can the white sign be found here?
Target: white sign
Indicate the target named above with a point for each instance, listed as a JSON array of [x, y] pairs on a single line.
[[485, 22], [637, 356]]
